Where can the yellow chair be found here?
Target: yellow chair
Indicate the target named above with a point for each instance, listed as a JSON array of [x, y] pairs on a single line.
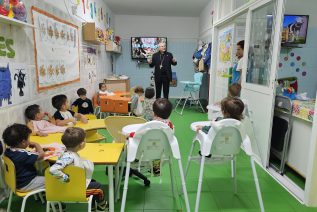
[[10, 179], [72, 192], [114, 125], [90, 116]]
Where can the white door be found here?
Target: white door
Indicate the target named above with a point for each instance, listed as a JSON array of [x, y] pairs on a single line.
[[261, 53]]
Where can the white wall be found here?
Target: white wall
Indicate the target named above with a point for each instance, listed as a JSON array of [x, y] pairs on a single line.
[[182, 35], [171, 27], [205, 22], [24, 49]]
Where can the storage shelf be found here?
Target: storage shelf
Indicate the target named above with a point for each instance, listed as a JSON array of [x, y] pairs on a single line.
[[14, 22]]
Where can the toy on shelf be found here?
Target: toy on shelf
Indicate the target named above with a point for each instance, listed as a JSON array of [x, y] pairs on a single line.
[[289, 92], [19, 10], [4, 7]]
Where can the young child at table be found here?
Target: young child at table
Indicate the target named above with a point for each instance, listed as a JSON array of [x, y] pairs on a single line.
[[74, 141], [63, 115], [83, 103], [38, 124], [102, 92], [231, 107], [16, 137], [148, 103], [136, 104]]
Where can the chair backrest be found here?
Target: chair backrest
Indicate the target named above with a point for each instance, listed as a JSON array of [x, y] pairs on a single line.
[[107, 105], [225, 137], [9, 173], [154, 140], [284, 103], [114, 125], [121, 106], [72, 191], [90, 116], [198, 77]]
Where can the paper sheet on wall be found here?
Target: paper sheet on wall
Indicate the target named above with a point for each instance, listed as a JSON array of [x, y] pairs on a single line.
[[56, 44]]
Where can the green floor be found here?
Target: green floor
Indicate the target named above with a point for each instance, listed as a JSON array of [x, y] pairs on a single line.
[[217, 193]]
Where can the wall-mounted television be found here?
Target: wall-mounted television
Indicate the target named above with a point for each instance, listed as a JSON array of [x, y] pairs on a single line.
[[294, 29], [144, 47]]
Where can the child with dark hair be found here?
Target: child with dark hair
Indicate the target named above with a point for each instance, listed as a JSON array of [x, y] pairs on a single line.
[[148, 103], [37, 122], [102, 92], [83, 103], [136, 104], [231, 108], [74, 141], [162, 109], [234, 90], [63, 115], [16, 137]]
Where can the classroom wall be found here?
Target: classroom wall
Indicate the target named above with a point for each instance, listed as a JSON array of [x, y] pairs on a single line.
[[205, 22], [307, 63], [182, 34], [24, 50]]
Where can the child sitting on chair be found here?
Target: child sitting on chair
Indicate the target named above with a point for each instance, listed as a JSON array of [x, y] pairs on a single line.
[[231, 108], [74, 141], [38, 124], [83, 103], [102, 92], [17, 137], [148, 104], [63, 115], [136, 104]]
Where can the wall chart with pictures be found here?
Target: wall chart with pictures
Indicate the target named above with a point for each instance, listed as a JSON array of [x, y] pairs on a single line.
[[56, 44]]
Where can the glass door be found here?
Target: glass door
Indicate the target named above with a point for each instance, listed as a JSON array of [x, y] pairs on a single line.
[[261, 55]]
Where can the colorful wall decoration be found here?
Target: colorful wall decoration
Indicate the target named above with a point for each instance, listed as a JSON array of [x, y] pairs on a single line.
[[14, 84], [56, 44]]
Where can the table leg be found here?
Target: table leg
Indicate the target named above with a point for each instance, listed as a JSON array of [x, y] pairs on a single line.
[[111, 190], [117, 183]]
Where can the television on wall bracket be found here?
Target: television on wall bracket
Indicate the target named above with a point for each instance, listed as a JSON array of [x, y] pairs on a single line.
[[294, 30]]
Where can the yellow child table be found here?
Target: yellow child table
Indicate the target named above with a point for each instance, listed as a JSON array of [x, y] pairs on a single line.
[[107, 154]]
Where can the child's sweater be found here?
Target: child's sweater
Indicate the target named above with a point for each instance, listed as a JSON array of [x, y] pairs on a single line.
[[71, 158]]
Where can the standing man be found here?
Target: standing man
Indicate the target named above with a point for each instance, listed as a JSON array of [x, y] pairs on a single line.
[[162, 61], [237, 67]]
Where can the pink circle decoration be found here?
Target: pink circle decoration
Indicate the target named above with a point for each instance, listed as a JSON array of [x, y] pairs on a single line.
[[285, 58], [304, 73], [292, 54], [280, 65], [298, 58]]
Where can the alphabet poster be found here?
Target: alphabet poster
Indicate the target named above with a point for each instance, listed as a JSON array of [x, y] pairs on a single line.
[[56, 44]]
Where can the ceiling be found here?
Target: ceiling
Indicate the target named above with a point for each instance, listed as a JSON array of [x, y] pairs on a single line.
[[182, 8]]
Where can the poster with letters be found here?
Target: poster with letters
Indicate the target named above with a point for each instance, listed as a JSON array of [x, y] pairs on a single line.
[[56, 44]]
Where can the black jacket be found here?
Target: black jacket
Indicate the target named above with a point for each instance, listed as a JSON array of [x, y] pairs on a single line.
[[167, 60]]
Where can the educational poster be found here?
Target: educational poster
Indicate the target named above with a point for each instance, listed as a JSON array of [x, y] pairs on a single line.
[[89, 69], [224, 60], [56, 44], [14, 84]]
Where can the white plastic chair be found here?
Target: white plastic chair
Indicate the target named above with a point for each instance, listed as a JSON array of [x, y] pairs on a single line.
[[154, 140], [223, 142]]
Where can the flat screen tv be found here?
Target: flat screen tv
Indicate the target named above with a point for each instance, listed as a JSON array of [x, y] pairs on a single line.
[[144, 47], [294, 29]]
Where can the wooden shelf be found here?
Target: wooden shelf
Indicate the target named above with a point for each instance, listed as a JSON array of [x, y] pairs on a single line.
[[90, 33], [14, 22]]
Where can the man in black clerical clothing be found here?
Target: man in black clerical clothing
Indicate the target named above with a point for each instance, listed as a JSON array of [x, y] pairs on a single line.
[[162, 61]]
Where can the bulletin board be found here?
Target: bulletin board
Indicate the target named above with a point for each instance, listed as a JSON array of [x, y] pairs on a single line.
[[56, 44]]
